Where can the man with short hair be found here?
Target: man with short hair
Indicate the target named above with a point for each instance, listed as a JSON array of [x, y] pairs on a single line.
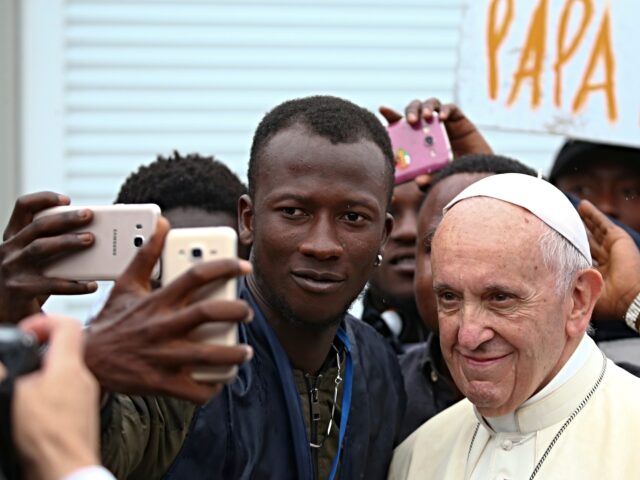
[[515, 290], [322, 396], [192, 191]]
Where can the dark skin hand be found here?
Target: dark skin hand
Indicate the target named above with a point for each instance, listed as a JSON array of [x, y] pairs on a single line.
[[617, 258], [140, 342], [464, 136], [29, 246]]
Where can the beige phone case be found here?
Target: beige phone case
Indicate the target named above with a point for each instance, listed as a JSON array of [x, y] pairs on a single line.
[[119, 231], [184, 248]]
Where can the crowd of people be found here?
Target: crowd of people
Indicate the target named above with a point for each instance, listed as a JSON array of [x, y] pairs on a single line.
[[489, 292]]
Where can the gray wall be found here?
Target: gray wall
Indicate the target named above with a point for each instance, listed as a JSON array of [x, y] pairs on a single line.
[[9, 97]]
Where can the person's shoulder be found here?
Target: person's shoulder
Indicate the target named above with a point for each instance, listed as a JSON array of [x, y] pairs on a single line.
[[433, 441], [459, 413], [376, 355], [367, 337], [624, 380], [412, 355]]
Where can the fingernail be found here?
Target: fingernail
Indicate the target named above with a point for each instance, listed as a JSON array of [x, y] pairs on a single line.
[[84, 213], [245, 267], [249, 355], [412, 117], [85, 237], [64, 199], [249, 317], [92, 286]]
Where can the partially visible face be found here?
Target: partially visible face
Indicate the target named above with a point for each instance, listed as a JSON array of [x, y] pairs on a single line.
[[428, 220], [192, 217], [317, 222], [613, 187], [394, 278], [502, 323]]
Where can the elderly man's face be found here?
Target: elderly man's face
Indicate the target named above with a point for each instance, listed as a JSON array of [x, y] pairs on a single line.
[[502, 322]]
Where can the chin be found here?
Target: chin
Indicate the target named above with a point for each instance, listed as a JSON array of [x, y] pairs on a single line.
[[488, 402]]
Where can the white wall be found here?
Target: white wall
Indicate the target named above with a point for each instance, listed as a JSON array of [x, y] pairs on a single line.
[[109, 84]]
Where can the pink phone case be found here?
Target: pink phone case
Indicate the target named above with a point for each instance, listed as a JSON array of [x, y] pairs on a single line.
[[419, 149]]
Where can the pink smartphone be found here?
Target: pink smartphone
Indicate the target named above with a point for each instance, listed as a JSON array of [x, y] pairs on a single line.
[[419, 149], [185, 248]]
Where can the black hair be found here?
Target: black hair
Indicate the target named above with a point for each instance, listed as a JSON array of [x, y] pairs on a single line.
[[180, 182], [482, 163], [574, 155], [335, 119]]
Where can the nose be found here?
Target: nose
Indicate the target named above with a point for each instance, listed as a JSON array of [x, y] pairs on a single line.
[[322, 240], [474, 329], [405, 228]]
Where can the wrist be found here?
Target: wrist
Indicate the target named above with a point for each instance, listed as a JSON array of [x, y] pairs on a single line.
[[632, 315]]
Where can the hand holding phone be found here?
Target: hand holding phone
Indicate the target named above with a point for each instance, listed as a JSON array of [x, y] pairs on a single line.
[[118, 231], [420, 148], [185, 248], [29, 246]]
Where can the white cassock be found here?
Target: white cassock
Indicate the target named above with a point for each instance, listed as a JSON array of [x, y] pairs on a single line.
[[585, 424]]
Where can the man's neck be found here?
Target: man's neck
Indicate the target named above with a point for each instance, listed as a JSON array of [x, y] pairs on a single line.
[[306, 346]]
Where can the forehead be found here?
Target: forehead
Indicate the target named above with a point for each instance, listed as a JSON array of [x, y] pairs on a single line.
[[295, 158], [441, 194], [189, 217], [408, 194], [488, 228]]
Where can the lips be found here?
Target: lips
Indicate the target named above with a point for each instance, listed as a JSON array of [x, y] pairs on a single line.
[[403, 263], [317, 282], [483, 361]]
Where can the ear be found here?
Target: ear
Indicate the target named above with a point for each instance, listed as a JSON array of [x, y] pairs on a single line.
[[245, 220], [584, 296], [388, 227]]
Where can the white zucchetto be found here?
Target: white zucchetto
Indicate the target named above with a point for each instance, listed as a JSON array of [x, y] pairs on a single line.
[[537, 196]]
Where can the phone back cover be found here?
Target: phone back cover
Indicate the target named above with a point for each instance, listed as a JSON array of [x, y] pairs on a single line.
[[214, 243]]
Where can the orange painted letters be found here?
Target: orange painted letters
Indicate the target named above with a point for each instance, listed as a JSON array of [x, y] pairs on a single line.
[[602, 49], [495, 36], [565, 52]]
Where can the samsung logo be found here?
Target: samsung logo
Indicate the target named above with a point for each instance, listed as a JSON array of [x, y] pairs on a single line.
[[114, 242]]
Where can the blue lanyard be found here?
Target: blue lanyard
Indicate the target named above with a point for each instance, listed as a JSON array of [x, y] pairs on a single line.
[[346, 400]]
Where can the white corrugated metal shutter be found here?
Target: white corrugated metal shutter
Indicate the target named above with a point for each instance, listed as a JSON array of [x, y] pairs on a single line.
[[129, 79]]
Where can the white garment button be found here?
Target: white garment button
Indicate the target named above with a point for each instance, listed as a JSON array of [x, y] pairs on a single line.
[[507, 445]]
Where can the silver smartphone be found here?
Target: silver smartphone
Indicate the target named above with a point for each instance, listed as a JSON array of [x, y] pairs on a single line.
[[185, 248], [119, 231]]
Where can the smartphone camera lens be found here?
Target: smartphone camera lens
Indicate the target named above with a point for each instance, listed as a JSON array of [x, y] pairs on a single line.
[[138, 241], [429, 140], [196, 252]]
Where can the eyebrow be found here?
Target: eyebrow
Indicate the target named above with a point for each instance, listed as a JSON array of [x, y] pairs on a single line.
[[365, 202], [438, 287]]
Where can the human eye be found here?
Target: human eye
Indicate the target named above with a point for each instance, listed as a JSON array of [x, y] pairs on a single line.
[[501, 299], [581, 190], [292, 212], [354, 217], [631, 193], [447, 300]]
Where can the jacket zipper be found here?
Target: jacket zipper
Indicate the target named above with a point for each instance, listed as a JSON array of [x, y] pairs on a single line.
[[314, 404]]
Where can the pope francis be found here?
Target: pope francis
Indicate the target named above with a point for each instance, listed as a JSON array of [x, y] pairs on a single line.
[[515, 291]]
